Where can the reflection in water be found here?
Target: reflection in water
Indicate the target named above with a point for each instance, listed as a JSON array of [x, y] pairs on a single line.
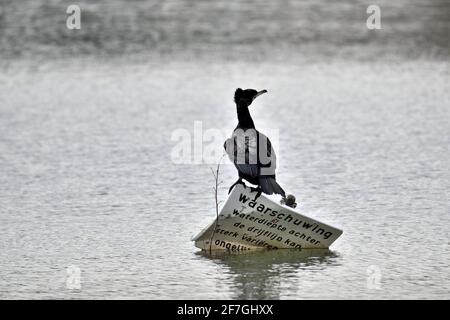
[[261, 274]]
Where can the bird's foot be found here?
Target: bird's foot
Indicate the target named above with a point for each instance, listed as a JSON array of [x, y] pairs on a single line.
[[239, 181], [258, 192]]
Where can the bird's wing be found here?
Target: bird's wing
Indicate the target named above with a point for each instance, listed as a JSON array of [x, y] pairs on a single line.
[[267, 156], [243, 152]]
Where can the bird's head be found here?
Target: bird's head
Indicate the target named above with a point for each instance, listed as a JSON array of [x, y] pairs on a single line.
[[248, 95]]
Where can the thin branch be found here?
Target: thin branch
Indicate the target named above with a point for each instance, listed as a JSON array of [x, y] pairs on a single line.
[[215, 188]]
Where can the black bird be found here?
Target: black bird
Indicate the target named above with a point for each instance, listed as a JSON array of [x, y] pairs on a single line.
[[251, 151]]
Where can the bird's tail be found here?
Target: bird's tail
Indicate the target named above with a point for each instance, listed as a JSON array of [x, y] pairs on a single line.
[[269, 185]]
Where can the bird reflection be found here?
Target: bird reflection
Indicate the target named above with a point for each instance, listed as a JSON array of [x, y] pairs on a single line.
[[261, 274]]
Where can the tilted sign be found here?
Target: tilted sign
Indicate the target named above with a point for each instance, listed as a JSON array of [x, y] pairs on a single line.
[[245, 224]]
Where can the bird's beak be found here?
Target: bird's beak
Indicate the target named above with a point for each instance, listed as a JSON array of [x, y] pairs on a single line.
[[259, 93]]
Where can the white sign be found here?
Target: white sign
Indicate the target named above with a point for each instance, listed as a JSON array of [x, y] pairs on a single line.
[[246, 224]]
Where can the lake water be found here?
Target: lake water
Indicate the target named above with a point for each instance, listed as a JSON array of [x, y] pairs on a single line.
[[87, 181]]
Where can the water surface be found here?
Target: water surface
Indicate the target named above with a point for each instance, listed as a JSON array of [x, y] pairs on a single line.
[[87, 179]]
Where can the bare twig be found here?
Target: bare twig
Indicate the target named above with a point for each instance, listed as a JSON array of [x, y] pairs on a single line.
[[215, 188]]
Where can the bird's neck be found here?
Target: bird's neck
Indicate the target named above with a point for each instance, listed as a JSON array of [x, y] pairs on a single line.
[[244, 118]]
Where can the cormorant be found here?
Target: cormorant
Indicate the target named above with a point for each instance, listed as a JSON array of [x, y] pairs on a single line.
[[251, 151]]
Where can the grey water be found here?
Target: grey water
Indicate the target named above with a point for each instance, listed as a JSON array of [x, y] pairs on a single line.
[[88, 181]]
